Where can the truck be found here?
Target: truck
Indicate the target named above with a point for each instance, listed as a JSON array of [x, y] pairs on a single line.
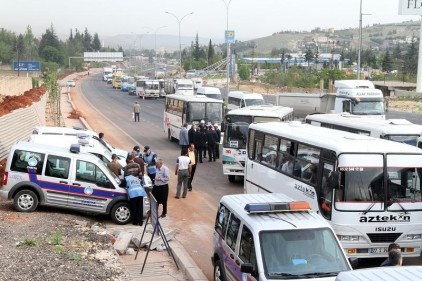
[[106, 72], [117, 80], [357, 97]]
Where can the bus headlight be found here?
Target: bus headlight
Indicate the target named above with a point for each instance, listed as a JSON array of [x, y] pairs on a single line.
[[413, 236], [348, 238]]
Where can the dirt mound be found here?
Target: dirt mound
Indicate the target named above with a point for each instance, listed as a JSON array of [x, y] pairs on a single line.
[[10, 103]]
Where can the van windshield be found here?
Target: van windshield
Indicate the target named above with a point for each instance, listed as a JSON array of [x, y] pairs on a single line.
[[304, 253], [250, 102]]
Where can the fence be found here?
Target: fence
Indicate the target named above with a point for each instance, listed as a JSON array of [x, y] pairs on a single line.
[[20, 123]]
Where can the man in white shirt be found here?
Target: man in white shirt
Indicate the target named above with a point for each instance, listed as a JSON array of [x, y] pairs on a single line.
[[161, 187], [183, 170]]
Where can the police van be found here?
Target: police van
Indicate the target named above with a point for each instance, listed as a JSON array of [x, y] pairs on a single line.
[[37, 174], [75, 131], [271, 237]]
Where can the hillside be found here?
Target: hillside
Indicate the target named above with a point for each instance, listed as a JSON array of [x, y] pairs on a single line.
[[377, 36]]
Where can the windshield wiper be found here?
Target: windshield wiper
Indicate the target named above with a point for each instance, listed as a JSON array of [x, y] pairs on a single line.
[[394, 200], [369, 208], [321, 274], [288, 275]]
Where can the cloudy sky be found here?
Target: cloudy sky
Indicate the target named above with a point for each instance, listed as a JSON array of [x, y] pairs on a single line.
[[248, 18]]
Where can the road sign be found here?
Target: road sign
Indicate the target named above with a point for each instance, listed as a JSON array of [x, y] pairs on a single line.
[[26, 66], [229, 36], [410, 7]]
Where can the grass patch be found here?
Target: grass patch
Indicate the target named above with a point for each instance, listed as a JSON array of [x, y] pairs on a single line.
[[30, 243], [57, 238]]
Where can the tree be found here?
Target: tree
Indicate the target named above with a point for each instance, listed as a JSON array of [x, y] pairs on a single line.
[[87, 41], [30, 44], [211, 53], [51, 54], [96, 44], [196, 49], [49, 38], [387, 63], [309, 55], [411, 58], [244, 73]]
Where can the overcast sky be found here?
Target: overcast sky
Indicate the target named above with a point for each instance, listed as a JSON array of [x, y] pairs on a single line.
[[248, 18]]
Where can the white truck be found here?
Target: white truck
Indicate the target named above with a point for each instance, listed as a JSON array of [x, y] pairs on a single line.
[[179, 86], [107, 72], [358, 97]]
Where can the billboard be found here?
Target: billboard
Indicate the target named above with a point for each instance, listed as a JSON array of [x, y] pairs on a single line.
[[229, 36], [103, 56], [26, 66], [410, 7]]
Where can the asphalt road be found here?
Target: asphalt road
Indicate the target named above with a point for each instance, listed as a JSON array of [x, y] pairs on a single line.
[[110, 111]]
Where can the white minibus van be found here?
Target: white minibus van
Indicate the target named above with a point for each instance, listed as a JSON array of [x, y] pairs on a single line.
[[210, 92], [238, 99]]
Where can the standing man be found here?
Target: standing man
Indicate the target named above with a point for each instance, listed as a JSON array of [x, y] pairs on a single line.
[[136, 110], [150, 159], [217, 143], [193, 156], [211, 140], [138, 159], [191, 132], [114, 166], [161, 187], [392, 247], [184, 137], [136, 192], [199, 142], [183, 169], [101, 139]]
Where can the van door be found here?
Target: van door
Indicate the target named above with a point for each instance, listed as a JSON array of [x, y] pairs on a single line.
[[231, 261], [56, 182], [90, 189]]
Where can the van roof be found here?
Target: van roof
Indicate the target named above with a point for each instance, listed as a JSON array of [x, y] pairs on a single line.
[[47, 130], [245, 95], [266, 221], [208, 90], [49, 149]]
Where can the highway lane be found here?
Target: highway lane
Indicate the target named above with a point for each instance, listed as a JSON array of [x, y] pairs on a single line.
[[110, 111]]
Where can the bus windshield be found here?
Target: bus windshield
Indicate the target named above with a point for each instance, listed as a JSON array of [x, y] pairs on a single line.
[[288, 253], [236, 135], [212, 112], [366, 183], [412, 140], [369, 108]]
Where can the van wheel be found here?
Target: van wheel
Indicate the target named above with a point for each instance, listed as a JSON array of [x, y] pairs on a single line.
[[25, 201], [232, 178], [218, 272], [120, 213]]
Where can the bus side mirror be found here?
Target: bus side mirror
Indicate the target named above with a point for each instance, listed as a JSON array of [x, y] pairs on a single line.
[[223, 126], [347, 106], [246, 268]]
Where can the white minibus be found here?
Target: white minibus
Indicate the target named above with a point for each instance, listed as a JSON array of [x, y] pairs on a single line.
[[238, 99], [210, 92], [368, 188]]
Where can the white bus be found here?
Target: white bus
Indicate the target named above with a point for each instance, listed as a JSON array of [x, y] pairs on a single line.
[[236, 123], [399, 130], [368, 188], [180, 109]]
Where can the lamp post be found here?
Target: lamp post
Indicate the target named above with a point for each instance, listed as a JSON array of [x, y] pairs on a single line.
[[180, 43], [140, 49], [227, 45], [155, 43], [360, 38]]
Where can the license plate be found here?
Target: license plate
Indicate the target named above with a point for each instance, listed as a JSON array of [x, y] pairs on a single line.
[[377, 250]]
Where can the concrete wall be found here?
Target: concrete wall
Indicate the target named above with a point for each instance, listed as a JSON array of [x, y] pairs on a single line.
[[19, 124], [13, 86], [403, 93]]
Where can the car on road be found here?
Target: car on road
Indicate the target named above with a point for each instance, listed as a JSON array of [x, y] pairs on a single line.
[[70, 83]]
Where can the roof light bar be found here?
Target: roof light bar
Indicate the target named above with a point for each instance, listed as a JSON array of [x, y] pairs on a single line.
[[275, 207]]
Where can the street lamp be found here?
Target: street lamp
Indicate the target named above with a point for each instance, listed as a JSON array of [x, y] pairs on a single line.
[[360, 38], [180, 44], [227, 44], [155, 44]]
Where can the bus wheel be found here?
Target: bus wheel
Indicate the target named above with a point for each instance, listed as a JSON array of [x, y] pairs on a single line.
[[232, 178]]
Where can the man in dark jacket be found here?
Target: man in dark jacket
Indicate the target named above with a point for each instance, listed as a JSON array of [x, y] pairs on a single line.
[[190, 133], [217, 144], [211, 140], [199, 142]]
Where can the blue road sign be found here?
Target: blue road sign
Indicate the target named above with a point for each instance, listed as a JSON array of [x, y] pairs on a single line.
[[229, 36], [26, 66]]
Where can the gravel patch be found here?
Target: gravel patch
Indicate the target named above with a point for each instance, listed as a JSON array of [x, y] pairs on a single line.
[[51, 244]]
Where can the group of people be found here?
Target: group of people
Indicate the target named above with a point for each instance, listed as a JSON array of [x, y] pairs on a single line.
[[204, 138]]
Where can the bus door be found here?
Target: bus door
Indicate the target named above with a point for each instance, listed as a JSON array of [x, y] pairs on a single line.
[[328, 183]]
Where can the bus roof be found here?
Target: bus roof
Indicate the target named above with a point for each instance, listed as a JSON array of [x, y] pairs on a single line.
[[378, 126], [262, 110], [190, 98], [336, 140]]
